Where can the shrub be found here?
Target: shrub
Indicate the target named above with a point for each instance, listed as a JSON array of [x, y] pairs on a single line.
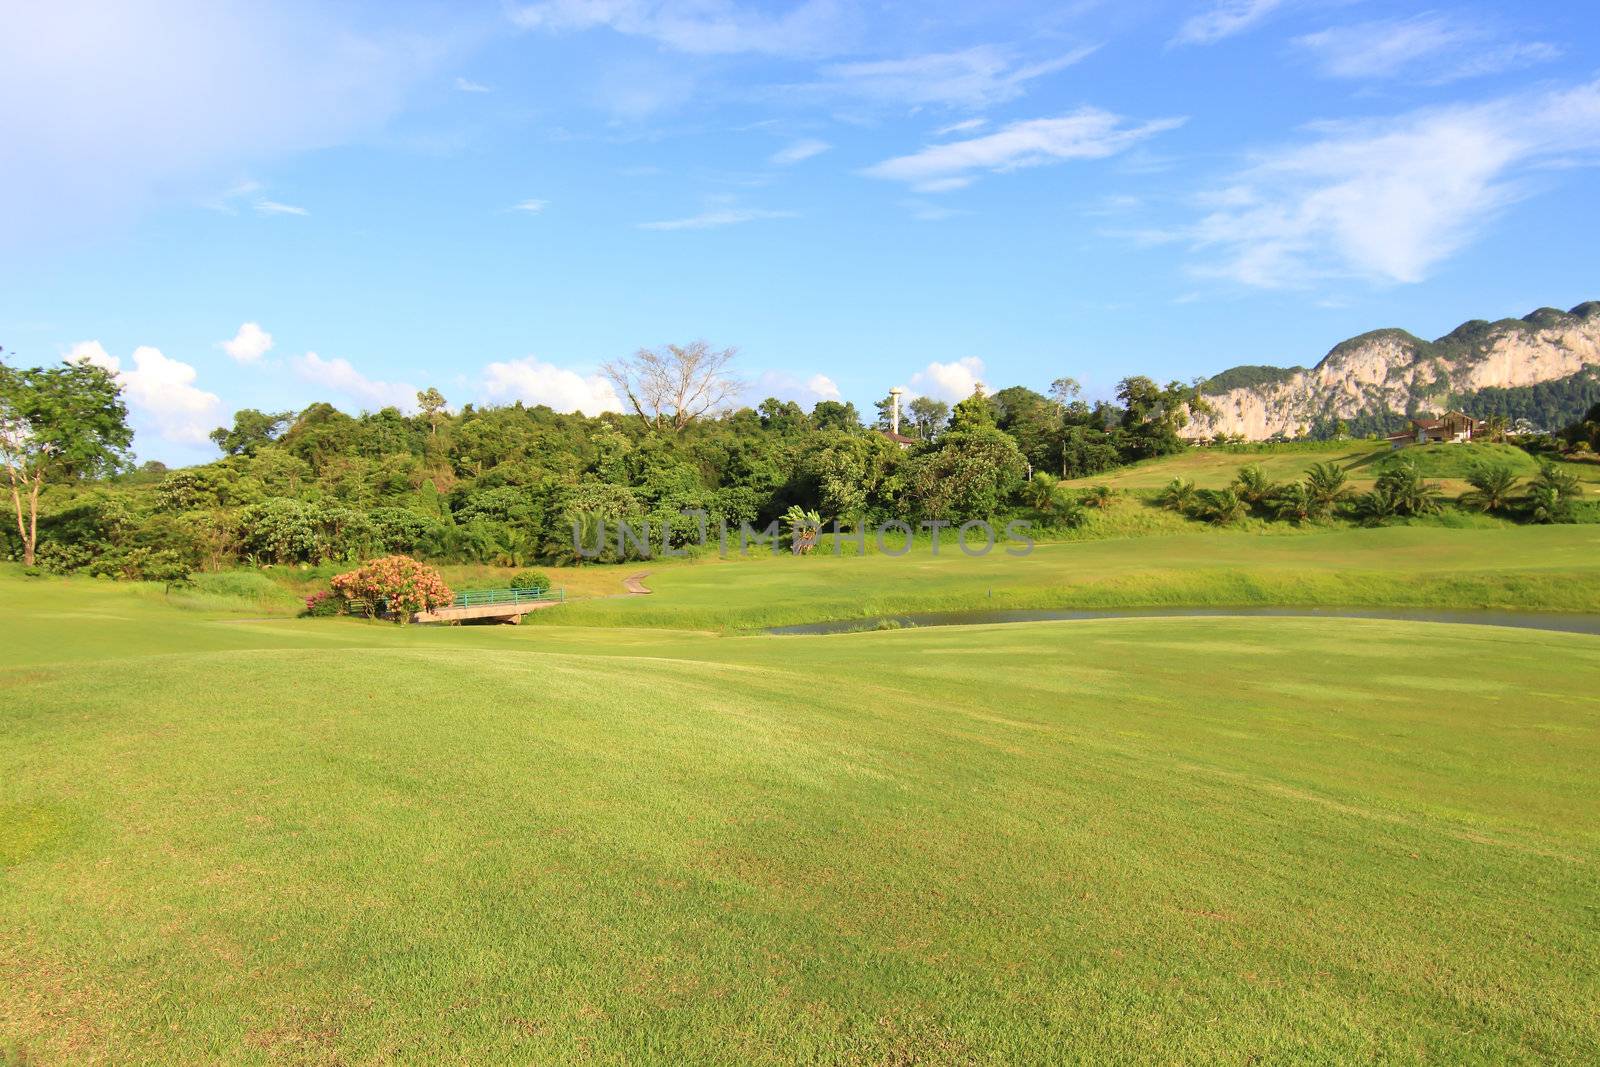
[[323, 605], [531, 581], [399, 583]]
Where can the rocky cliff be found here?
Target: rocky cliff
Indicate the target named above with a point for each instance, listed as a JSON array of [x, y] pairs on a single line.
[[1389, 374]]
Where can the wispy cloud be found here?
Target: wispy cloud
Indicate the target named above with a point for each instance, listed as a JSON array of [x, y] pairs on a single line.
[[466, 85], [1223, 19], [976, 77], [1431, 47], [711, 219], [531, 207], [699, 27], [1388, 200], [964, 126], [274, 207], [1088, 133], [341, 376], [798, 152]]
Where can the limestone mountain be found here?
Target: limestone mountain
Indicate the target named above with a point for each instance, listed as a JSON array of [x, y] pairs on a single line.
[[1544, 367]]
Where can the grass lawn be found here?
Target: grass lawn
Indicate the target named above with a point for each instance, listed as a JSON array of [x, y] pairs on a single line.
[[1200, 840], [1550, 568]]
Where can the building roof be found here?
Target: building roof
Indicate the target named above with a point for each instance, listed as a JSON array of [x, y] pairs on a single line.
[[899, 438]]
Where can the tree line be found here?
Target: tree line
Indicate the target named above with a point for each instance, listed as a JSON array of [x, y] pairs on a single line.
[[510, 484]]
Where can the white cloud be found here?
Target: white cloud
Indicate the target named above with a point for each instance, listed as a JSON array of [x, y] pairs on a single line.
[[534, 381], [1427, 47], [466, 85], [1388, 200], [249, 344], [1087, 133], [976, 77], [1224, 19], [718, 217], [120, 105], [943, 185], [274, 207], [531, 207], [948, 381], [799, 152], [788, 386], [342, 377], [964, 126], [160, 392], [701, 27]]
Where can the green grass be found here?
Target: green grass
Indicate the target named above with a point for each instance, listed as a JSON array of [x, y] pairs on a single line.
[[1499, 566], [1201, 840]]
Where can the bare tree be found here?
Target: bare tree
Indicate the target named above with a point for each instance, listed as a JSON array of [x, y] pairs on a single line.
[[673, 386]]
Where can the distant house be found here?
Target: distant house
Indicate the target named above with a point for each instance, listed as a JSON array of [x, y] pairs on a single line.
[[1452, 426], [899, 438]]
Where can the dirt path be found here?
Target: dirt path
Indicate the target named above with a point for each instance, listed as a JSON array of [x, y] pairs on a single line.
[[634, 584]]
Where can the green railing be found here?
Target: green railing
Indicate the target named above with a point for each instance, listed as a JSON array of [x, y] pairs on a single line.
[[474, 598]]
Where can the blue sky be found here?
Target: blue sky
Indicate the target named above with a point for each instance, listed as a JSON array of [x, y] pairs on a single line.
[[262, 204]]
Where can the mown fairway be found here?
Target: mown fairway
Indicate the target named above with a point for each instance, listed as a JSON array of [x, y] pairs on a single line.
[[1554, 568], [1203, 840]]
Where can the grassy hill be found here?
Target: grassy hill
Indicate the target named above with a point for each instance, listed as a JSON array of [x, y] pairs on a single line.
[[326, 841], [1214, 468]]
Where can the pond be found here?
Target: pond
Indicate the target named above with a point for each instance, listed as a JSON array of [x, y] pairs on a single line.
[[1567, 622]]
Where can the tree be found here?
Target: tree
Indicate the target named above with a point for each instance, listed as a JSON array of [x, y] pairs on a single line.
[[975, 412], [670, 387], [929, 416], [968, 476], [832, 415], [57, 424], [1252, 487], [1491, 490], [432, 403], [1550, 495], [1041, 492], [1222, 507], [252, 430], [1326, 487], [1179, 495]]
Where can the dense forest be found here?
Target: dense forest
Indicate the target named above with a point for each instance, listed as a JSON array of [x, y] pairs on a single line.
[[510, 484]]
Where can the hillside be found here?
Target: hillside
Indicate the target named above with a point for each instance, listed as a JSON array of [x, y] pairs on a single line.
[[1542, 367]]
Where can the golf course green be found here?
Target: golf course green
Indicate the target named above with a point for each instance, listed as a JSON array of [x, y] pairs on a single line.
[[232, 837]]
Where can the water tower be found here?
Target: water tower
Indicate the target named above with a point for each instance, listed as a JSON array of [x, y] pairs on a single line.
[[894, 409]]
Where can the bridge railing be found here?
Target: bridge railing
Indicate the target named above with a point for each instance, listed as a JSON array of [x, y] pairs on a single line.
[[473, 598]]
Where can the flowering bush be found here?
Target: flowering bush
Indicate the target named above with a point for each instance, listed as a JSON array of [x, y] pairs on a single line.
[[400, 582]]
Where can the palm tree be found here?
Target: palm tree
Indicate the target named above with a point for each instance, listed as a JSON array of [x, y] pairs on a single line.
[[1293, 502], [1377, 507], [1491, 489], [1550, 494], [1496, 425], [1252, 487], [1222, 507], [1098, 496], [1178, 495], [1407, 491], [1326, 487], [1041, 492], [805, 526]]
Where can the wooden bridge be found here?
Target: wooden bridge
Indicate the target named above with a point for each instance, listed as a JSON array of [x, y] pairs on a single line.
[[493, 605]]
